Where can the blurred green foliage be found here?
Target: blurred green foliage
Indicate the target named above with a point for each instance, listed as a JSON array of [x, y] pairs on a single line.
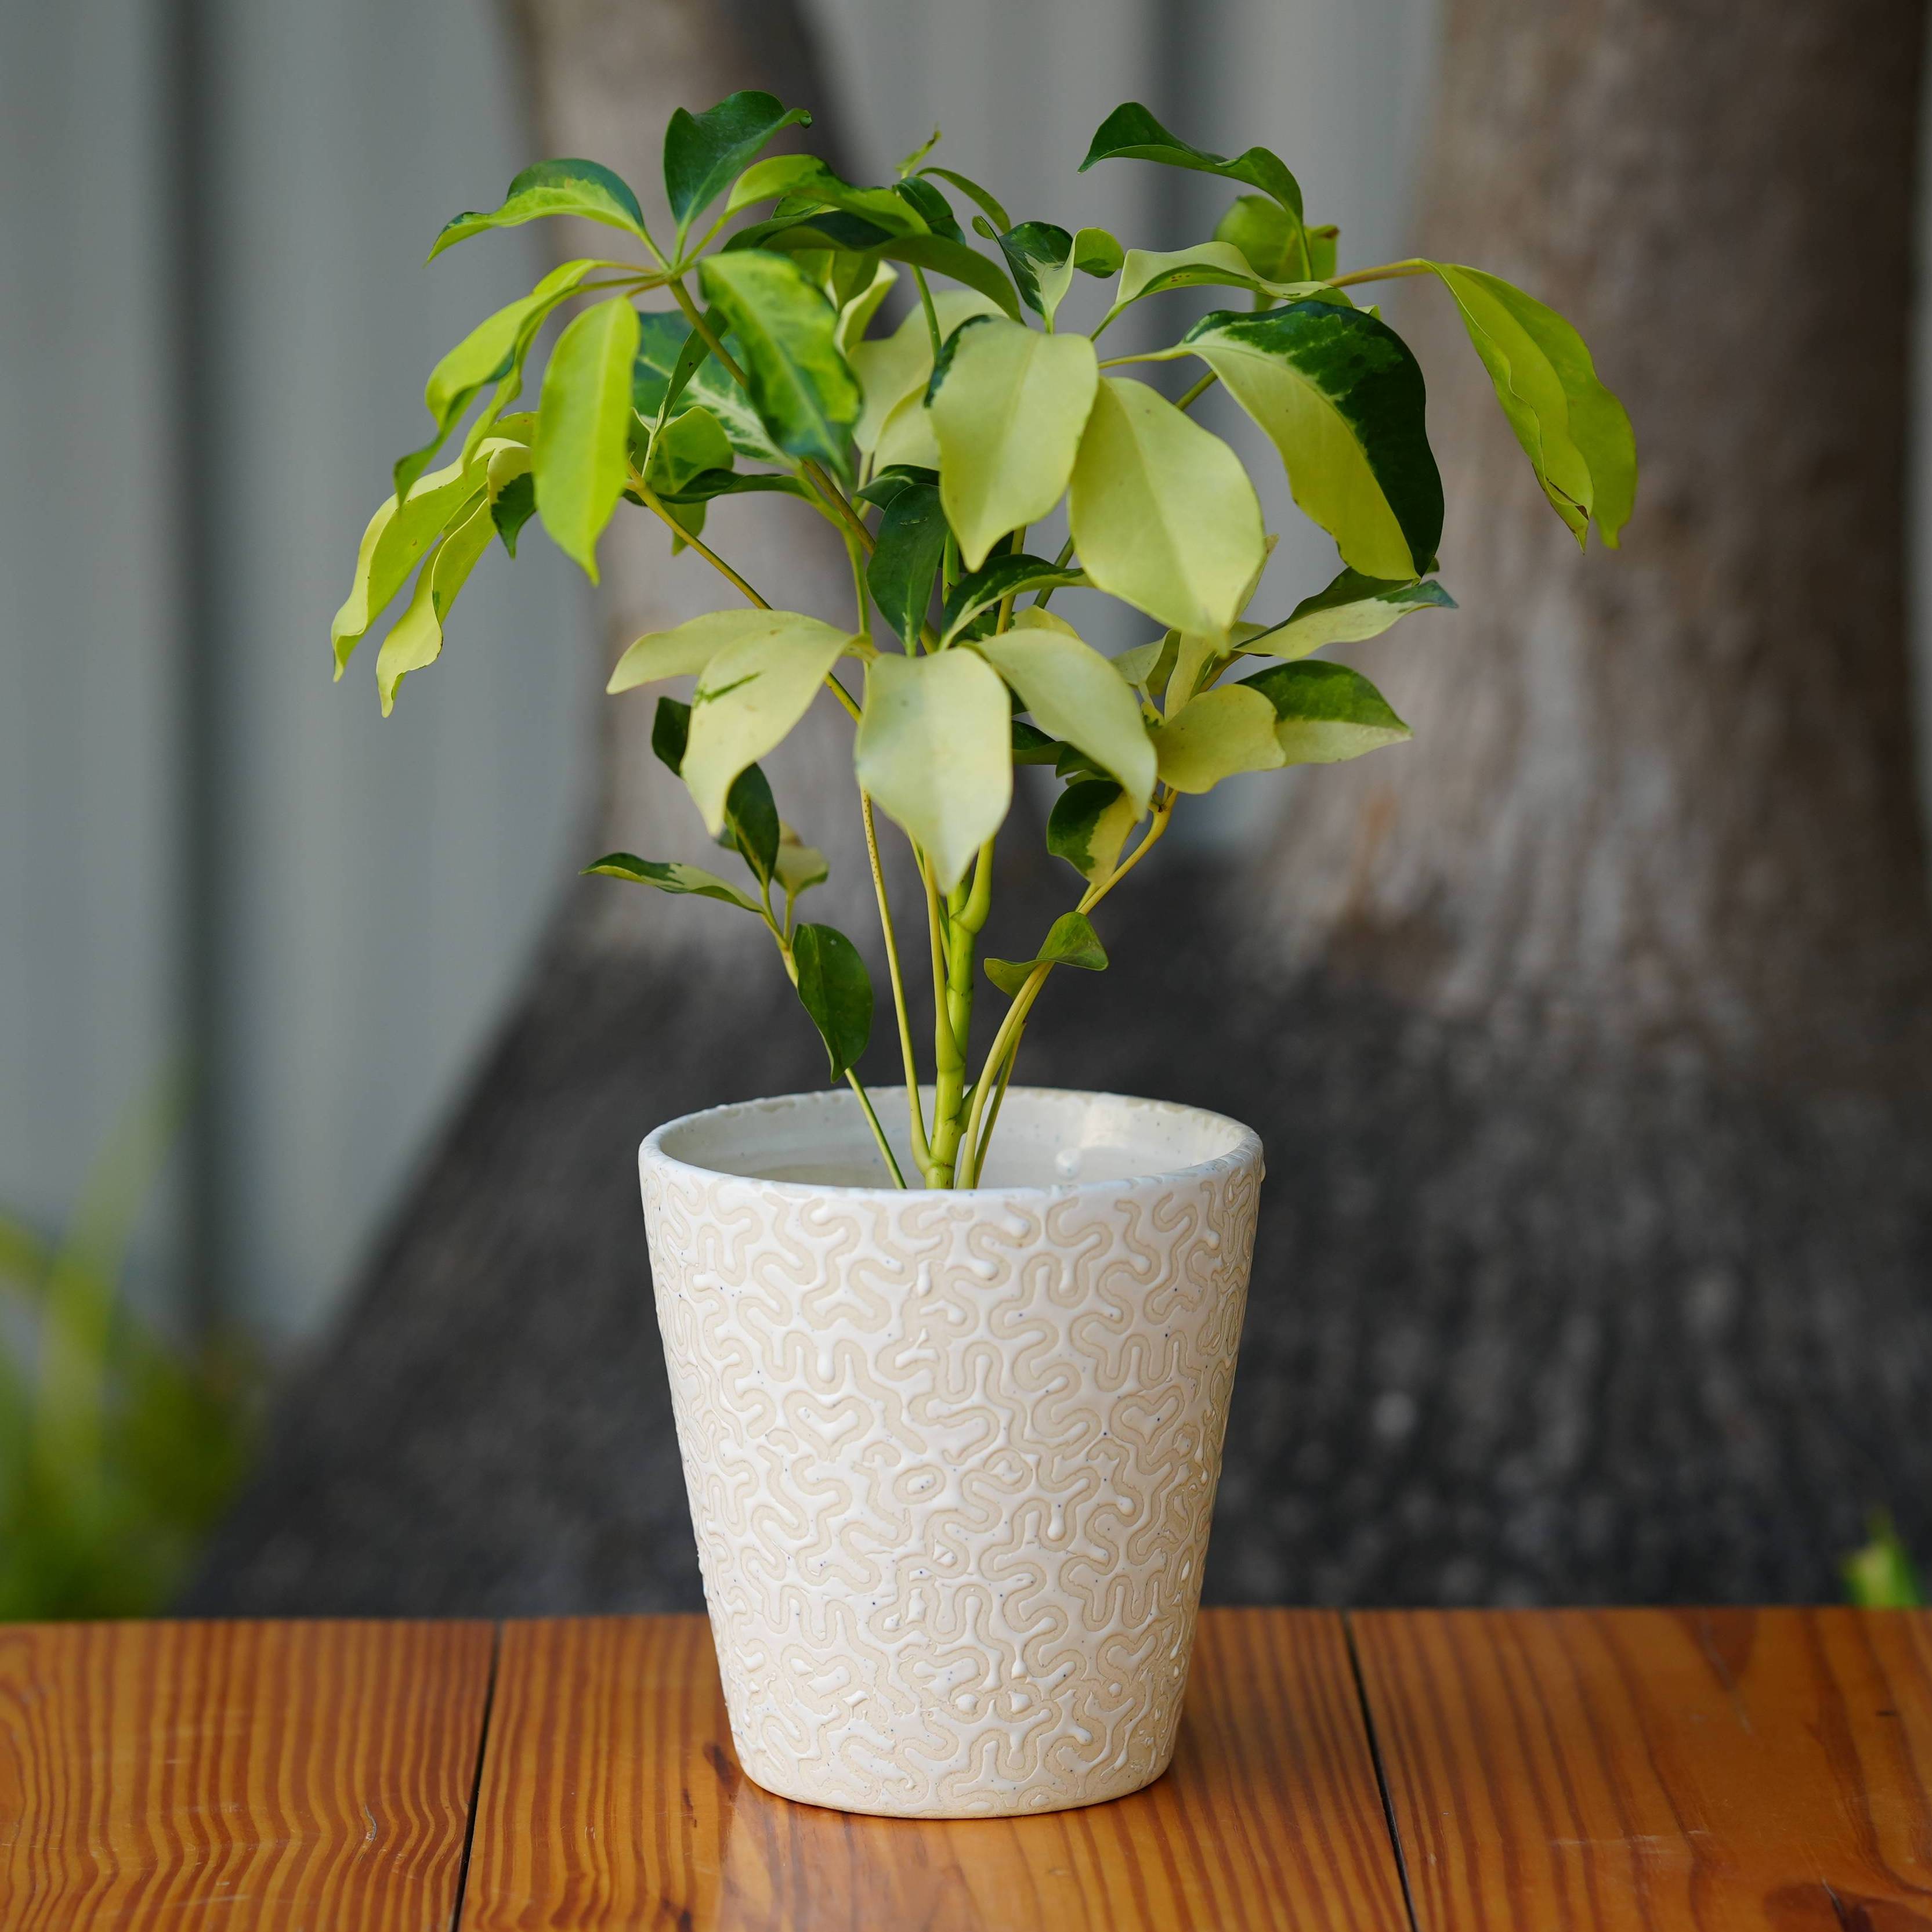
[[1880, 1577], [117, 1448]]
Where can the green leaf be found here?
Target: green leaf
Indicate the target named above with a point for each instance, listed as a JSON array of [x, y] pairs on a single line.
[[703, 151], [1072, 941], [931, 207], [691, 442], [670, 728], [492, 351], [805, 393], [511, 491], [1007, 408], [582, 428], [751, 822], [1148, 667], [905, 565], [933, 749], [708, 483], [585, 188], [670, 877], [1040, 258], [855, 316], [674, 359], [417, 639], [1004, 577], [815, 232], [1268, 238], [971, 189], [1131, 133], [1089, 824], [1325, 712], [749, 695], [1197, 662], [1574, 431], [1352, 608], [686, 648], [1222, 732], [941, 256], [772, 180], [949, 347], [396, 537], [799, 867], [1340, 396], [1074, 693], [812, 189], [1032, 746], [1097, 253], [1321, 251], [835, 990], [888, 484], [1163, 514], [511, 507], [893, 370], [1145, 272]]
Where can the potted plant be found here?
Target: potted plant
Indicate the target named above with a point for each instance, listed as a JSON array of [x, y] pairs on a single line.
[[950, 1363]]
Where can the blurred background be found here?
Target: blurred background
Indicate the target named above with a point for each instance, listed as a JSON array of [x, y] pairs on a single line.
[[1591, 1055]]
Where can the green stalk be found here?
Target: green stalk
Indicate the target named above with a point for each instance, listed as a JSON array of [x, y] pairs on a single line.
[[948, 1059], [931, 314], [966, 910], [922, 1150], [878, 1132], [998, 1068]]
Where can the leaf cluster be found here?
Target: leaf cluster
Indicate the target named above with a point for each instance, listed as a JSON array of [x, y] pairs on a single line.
[[930, 448]]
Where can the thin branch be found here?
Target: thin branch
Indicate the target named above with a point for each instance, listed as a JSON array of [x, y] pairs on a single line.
[[1388, 272], [878, 1132], [650, 499], [921, 1148]]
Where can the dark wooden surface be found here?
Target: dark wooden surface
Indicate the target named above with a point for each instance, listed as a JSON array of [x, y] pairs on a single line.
[[1462, 1772]]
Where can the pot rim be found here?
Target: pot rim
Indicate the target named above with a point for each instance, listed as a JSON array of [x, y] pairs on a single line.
[[1246, 1150]]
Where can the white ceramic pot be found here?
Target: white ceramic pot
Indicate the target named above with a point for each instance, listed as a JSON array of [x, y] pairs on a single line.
[[952, 1457]]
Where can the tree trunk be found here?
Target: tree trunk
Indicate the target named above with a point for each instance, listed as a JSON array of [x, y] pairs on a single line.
[[1586, 1035]]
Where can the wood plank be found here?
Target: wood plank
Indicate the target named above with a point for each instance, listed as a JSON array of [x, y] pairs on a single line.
[[237, 1774], [1554, 1771], [610, 1798]]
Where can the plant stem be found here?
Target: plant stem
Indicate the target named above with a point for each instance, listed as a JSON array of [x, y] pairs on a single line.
[[922, 1151], [878, 1132], [655, 505], [651, 502], [1200, 388], [966, 909], [948, 1057], [1006, 1041], [1388, 272], [858, 589], [1059, 563], [931, 314], [1004, 622]]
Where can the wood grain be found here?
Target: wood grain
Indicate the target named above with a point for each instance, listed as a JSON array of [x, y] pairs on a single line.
[[237, 1774], [610, 1798], [1652, 1768]]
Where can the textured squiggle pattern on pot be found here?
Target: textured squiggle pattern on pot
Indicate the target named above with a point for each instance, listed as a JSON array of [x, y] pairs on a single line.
[[951, 1461]]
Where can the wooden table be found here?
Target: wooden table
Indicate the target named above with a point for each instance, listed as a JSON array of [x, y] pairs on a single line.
[[1456, 1771]]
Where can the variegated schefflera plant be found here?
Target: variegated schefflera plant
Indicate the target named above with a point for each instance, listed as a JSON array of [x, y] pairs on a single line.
[[929, 450]]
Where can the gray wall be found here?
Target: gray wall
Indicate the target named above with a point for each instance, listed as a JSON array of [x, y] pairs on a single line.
[[375, 886]]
